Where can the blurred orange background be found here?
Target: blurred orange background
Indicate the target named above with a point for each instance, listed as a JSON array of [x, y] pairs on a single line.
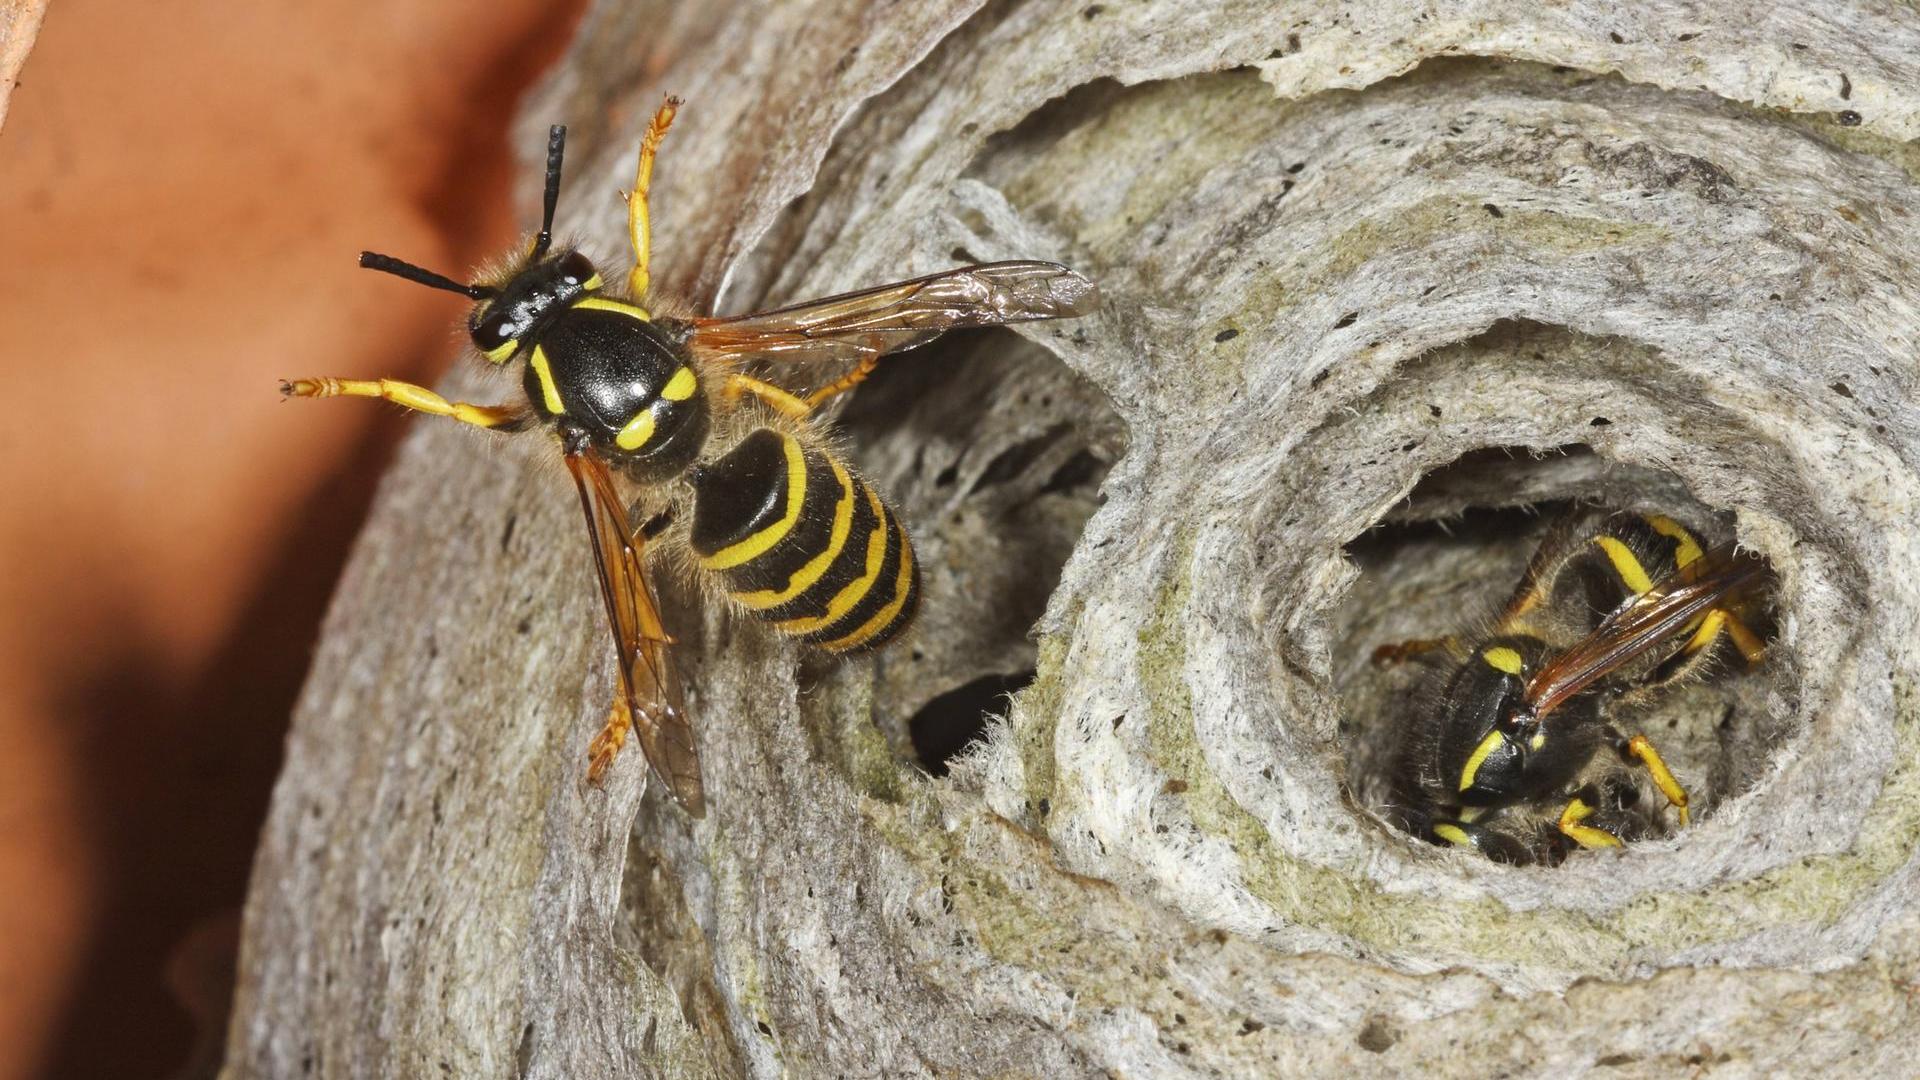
[[183, 190]]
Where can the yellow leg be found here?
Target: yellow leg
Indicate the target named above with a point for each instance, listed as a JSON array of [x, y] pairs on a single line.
[[606, 745], [1586, 836], [1721, 621], [846, 382], [639, 225], [1711, 624], [1749, 643], [772, 396], [417, 398], [1639, 747]]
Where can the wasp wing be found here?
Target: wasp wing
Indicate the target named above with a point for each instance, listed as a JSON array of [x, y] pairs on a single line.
[[888, 318], [649, 685], [1642, 624]]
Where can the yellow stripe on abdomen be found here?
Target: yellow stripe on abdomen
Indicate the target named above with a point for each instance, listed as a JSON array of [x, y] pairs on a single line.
[[1626, 564], [1685, 548], [893, 615], [853, 591], [836, 570], [763, 540], [810, 573]]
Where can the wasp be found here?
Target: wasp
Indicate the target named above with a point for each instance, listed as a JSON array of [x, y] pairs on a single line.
[[1507, 756], [779, 522]]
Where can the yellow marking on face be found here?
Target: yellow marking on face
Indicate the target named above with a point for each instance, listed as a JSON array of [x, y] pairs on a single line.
[[1501, 658], [593, 282], [547, 388], [499, 353], [855, 590], [1453, 834], [1625, 563], [1539, 740], [804, 578], [637, 432], [1686, 548], [607, 303], [681, 386], [759, 543], [1488, 745], [902, 585]]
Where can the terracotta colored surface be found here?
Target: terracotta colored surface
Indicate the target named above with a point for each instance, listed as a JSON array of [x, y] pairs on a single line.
[[183, 189], [19, 26]]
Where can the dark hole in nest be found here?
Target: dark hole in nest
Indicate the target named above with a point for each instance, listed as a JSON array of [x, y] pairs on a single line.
[[1446, 562], [957, 719]]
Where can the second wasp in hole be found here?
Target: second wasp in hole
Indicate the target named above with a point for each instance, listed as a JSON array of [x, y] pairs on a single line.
[[1533, 682]]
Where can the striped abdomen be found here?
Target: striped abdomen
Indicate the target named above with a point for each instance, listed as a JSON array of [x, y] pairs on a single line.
[[804, 544]]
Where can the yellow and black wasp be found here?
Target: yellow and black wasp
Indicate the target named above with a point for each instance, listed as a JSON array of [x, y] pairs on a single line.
[[1507, 756], [779, 522]]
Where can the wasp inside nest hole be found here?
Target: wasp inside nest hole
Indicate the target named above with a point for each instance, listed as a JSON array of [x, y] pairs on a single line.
[[994, 452], [1552, 653]]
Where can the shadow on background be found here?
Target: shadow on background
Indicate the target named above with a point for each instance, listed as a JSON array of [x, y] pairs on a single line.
[[176, 771]]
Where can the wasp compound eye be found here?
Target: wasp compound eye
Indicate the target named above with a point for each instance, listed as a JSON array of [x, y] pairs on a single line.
[[493, 336], [576, 269]]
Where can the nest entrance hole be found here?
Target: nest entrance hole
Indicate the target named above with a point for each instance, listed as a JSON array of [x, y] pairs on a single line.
[[1446, 560]]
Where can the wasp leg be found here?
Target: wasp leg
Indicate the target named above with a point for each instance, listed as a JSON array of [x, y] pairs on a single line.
[[1586, 836], [846, 382], [1640, 749], [1707, 633], [773, 397], [606, 745], [1714, 624], [417, 398], [639, 224], [1494, 843], [1752, 649], [1401, 651]]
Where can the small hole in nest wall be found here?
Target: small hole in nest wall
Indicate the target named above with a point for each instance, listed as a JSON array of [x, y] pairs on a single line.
[[957, 719], [1495, 661]]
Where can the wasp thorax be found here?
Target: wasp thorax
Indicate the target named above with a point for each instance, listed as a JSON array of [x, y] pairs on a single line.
[[603, 367], [526, 300]]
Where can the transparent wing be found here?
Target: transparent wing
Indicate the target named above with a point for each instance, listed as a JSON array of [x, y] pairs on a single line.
[[888, 318], [1642, 624], [648, 682]]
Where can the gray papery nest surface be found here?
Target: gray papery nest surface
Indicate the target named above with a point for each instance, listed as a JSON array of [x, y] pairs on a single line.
[[1377, 277]]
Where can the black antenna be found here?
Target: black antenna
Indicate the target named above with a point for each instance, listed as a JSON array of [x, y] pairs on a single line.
[[556, 147], [387, 264]]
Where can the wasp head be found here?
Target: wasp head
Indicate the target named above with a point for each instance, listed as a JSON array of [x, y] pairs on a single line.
[[516, 308]]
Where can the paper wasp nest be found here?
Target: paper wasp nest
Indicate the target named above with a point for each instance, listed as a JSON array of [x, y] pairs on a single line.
[[1342, 247]]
